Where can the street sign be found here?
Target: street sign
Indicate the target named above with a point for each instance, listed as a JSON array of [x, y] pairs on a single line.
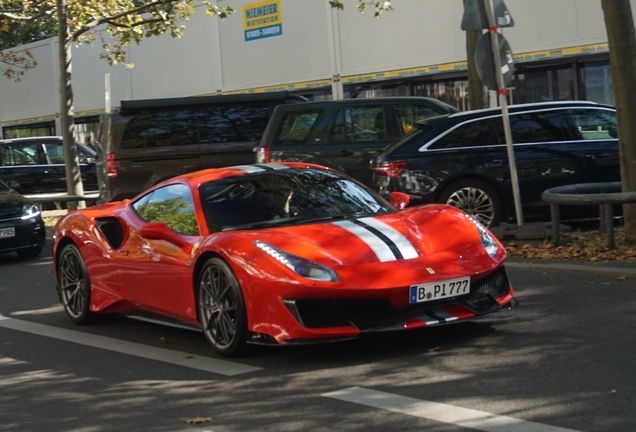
[[476, 18], [485, 63]]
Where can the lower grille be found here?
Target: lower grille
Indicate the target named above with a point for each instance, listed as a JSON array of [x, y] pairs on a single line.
[[484, 292], [362, 314]]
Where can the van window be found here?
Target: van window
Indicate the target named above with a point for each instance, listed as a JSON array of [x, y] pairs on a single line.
[[359, 124], [220, 124], [232, 123], [296, 125], [409, 114], [160, 130]]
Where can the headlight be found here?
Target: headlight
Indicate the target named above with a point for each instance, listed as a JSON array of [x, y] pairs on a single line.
[[29, 211], [302, 267], [487, 240]]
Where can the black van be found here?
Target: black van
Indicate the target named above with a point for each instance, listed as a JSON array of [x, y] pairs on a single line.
[[149, 141]]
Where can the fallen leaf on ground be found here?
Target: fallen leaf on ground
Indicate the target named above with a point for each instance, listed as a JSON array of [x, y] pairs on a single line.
[[188, 357], [621, 278], [199, 420], [434, 349]]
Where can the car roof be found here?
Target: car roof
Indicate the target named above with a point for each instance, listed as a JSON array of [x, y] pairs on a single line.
[[198, 177], [35, 138], [529, 106], [364, 101]]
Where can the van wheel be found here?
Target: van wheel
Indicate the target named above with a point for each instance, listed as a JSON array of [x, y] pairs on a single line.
[[476, 199]]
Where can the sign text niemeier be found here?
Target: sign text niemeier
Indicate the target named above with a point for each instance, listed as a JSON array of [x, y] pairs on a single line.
[[262, 20]]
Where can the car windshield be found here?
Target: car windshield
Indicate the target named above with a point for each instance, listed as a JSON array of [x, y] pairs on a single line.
[[286, 196]]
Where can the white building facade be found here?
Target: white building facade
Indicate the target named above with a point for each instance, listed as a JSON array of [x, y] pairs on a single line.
[[306, 47]]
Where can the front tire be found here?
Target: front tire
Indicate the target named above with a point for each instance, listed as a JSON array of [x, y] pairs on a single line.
[[475, 198], [222, 308], [75, 285]]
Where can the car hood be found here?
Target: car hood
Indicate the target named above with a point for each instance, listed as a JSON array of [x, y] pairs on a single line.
[[11, 204], [437, 239]]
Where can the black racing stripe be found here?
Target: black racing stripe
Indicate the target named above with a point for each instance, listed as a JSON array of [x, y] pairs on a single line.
[[431, 314], [381, 236]]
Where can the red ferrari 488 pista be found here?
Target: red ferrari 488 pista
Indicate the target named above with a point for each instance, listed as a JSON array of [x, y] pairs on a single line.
[[282, 253]]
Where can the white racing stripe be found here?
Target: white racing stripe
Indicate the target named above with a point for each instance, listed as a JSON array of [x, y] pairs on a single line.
[[380, 248], [221, 367], [464, 417], [249, 168], [403, 244]]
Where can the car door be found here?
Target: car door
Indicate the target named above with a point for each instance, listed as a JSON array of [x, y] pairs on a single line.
[[154, 271], [356, 135], [545, 154], [596, 138]]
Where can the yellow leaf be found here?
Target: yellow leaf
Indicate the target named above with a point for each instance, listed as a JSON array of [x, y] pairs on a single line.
[[199, 420]]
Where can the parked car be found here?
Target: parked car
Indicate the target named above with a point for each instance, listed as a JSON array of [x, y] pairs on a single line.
[[149, 141], [21, 226], [36, 164], [343, 134], [461, 159], [283, 253]]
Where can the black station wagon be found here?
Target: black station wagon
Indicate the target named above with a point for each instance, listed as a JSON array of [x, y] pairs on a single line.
[[461, 159]]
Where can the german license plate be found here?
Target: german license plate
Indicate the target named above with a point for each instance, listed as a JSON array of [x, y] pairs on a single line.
[[439, 290], [7, 232]]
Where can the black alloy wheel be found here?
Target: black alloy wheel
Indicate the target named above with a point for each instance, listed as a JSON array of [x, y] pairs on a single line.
[[475, 198], [222, 308], [74, 284]]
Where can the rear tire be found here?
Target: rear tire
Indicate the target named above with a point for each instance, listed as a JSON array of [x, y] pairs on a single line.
[[222, 308], [475, 198]]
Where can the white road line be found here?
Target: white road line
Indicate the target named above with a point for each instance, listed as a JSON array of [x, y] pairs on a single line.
[[464, 417], [221, 367]]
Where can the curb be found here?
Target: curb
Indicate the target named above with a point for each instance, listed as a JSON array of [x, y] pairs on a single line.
[[613, 270]]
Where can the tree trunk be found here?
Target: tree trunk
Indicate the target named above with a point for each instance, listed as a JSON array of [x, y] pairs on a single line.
[[476, 90], [622, 48], [74, 184]]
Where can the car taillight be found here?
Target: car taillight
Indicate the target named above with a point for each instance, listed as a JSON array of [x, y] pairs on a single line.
[[262, 154], [111, 166], [391, 170]]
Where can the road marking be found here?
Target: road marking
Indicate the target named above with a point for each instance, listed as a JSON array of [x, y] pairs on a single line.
[[191, 361], [464, 417]]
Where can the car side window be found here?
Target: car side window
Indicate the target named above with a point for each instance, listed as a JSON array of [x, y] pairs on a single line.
[[54, 152], [175, 128], [21, 154], [409, 114], [232, 123], [472, 134], [296, 126], [171, 205], [594, 124], [359, 124], [538, 127]]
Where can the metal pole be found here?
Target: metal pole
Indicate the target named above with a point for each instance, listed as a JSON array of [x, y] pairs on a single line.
[[501, 92]]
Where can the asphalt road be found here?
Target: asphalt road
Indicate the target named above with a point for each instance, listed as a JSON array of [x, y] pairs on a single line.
[[563, 360]]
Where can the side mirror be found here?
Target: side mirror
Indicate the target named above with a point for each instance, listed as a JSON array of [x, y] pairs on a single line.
[[400, 200], [161, 231]]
